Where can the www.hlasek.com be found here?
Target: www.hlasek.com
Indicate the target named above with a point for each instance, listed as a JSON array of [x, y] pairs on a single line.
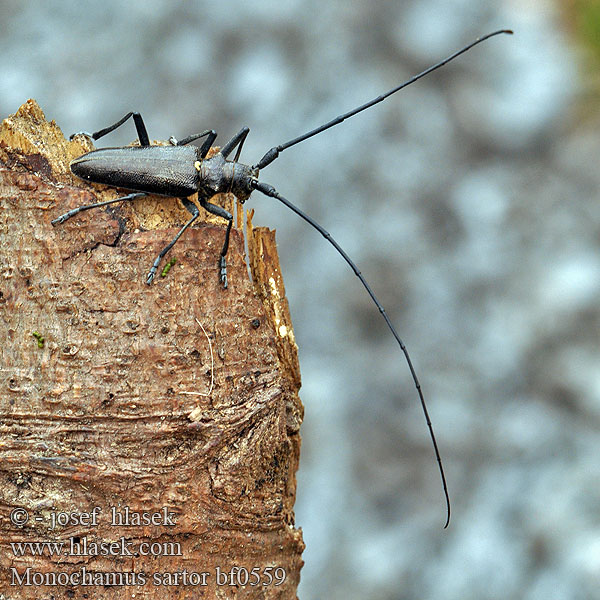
[[80, 546]]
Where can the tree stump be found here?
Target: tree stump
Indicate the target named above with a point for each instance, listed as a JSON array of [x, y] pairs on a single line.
[[153, 431]]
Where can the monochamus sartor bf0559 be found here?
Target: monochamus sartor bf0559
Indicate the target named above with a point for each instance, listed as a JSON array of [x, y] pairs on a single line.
[[181, 171]]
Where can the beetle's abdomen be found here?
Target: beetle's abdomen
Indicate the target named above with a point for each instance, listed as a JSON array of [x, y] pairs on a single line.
[[164, 170]]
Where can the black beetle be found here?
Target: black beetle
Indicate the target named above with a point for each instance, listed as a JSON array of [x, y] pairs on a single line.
[[182, 171]]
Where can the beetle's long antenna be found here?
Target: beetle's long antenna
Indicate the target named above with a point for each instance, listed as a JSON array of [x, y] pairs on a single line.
[[274, 152], [269, 190]]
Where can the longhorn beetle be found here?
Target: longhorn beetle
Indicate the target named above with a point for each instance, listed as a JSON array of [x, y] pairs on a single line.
[[180, 171]]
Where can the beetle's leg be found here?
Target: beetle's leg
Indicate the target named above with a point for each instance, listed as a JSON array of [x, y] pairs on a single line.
[[196, 213], [75, 211], [139, 126], [212, 136], [237, 139], [220, 212]]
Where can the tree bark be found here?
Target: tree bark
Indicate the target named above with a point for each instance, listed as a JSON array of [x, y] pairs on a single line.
[[153, 430]]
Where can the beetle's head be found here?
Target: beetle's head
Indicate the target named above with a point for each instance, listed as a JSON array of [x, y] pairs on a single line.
[[241, 180]]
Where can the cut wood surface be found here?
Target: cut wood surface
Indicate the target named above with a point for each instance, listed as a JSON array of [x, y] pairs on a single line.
[[177, 400]]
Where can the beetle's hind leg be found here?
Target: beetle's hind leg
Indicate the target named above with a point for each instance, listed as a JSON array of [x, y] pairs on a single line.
[[192, 208], [79, 209], [139, 127], [220, 212]]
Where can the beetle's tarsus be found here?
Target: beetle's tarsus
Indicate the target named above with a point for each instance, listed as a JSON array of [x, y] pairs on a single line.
[[223, 271], [86, 133], [151, 275], [64, 217]]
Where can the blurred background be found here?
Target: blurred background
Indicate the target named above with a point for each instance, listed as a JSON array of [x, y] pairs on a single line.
[[470, 203]]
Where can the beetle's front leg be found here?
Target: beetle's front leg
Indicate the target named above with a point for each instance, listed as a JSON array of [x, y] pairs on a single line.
[[237, 140], [220, 212]]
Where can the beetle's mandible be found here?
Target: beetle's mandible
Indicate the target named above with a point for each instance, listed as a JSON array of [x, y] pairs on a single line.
[[181, 171]]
